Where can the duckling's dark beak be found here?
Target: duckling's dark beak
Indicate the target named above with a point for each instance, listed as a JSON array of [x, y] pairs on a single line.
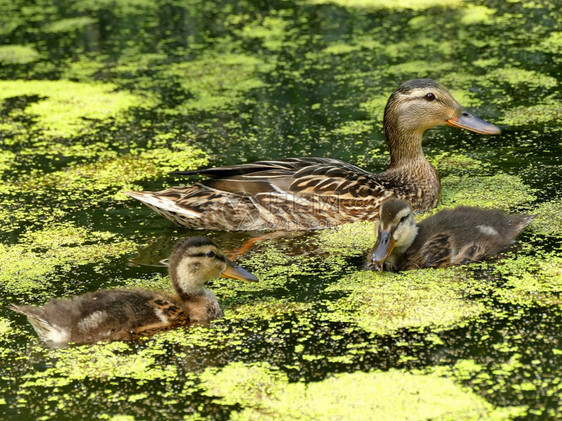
[[236, 272], [382, 248], [464, 120]]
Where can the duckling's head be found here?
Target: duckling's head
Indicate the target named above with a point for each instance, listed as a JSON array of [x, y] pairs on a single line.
[[196, 260], [419, 104], [396, 231]]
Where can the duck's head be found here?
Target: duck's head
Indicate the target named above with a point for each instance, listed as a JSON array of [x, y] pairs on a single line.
[[196, 260], [419, 104], [396, 231]]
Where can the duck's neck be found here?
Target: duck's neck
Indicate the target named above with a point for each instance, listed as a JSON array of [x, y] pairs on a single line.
[[200, 303], [412, 176], [184, 285], [405, 145], [186, 295]]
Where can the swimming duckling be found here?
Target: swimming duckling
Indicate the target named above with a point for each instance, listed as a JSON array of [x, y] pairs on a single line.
[[125, 314], [451, 237]]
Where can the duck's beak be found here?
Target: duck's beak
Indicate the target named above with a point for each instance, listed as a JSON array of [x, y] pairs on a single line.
[[382, 248], [464, 120], [236, 272]]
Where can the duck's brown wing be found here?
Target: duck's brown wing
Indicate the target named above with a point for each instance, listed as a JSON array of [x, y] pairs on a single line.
[[290, 165], [314, 176], [169, 314], [435, 252], [441, 250]]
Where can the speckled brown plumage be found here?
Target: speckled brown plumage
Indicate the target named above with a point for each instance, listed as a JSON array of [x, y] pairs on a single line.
[[125, 314], [316, 193]]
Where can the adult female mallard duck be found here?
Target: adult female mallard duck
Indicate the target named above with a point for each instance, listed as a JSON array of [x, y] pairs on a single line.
[[124, 314], [315, 193], [451, 237]]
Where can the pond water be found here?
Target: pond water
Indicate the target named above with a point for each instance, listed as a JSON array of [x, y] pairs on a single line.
[[101, 97]]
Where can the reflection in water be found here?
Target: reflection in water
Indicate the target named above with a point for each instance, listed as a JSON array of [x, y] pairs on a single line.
[[234, 244]]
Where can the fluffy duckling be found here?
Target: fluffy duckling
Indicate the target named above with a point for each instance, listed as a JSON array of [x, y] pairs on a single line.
[[125, 314], [451, 237]]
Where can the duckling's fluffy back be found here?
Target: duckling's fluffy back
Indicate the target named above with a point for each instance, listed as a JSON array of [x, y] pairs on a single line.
[[470, 222], [463, 235], [102, 315]]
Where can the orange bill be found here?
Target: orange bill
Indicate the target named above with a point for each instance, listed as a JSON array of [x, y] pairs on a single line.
[[465, 120], [236, 272]]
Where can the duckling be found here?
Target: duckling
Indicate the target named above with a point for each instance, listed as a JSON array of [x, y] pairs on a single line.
[[315, 193], [451, 237], [125, 314]]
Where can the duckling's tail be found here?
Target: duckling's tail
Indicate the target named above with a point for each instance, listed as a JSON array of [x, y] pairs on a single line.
[[520, 222], [46, 331], [20, 309]]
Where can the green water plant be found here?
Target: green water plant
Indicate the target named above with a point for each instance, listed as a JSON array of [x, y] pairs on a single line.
[[66, 107], [264, 392], [382, 303], [30, 266], [18, 54]]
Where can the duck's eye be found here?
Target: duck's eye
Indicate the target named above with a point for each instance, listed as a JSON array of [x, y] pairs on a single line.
[[403, 219], [429, 97], [210, 253]]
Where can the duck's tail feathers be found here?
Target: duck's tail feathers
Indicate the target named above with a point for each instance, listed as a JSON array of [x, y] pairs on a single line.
[[166, 205]]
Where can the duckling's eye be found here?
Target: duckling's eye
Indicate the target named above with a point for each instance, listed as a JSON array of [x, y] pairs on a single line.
[[429, 97], [210, 253], [403, 219]]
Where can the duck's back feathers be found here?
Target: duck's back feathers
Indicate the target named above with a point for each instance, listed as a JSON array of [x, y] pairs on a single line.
[[288, 165], [48, 331], [462, 235], [302, 176]]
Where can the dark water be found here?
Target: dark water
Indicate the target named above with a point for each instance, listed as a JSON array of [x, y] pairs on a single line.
[[305, 101]]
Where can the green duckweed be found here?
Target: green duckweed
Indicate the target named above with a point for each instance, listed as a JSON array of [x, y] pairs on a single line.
[[266, 393]]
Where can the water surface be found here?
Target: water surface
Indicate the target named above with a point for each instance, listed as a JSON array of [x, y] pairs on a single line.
[[101, 97]]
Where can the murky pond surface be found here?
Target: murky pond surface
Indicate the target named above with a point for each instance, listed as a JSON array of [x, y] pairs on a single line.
[[101, 97]]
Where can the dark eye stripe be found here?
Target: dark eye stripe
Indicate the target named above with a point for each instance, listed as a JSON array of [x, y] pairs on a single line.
[[216, 256]]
